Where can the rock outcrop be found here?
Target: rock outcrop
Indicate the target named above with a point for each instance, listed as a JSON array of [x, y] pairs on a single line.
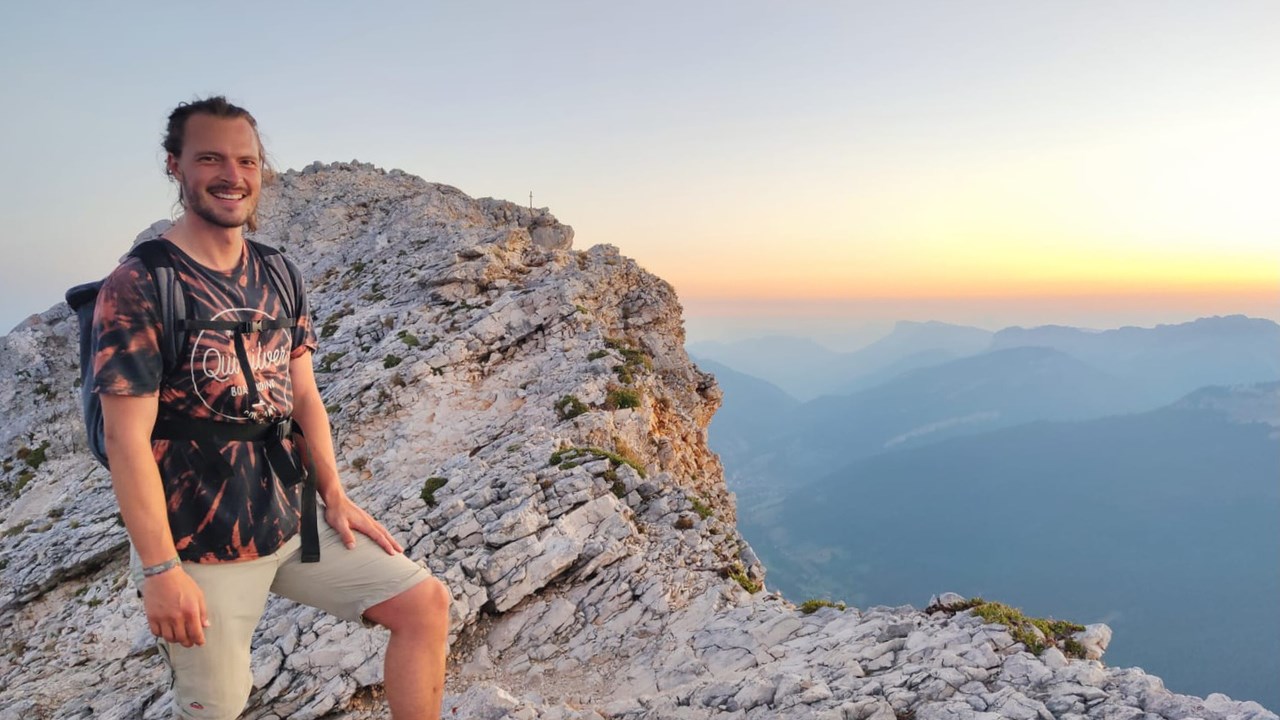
[[525, 418]]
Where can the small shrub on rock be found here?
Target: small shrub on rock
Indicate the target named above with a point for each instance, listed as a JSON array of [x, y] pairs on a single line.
[[34, 458], [813, 605], [1023, 629], [429, 489], [739, 574], [569, 407], [622, 399], [326, 363], [701, 508], [574, 456]]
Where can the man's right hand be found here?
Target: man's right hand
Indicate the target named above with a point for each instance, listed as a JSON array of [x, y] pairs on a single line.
[[175, 607]]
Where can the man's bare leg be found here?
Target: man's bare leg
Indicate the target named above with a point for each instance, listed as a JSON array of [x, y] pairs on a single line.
[[418, 619]]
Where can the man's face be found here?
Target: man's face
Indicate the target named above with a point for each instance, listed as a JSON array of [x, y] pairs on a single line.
[[219, 169]]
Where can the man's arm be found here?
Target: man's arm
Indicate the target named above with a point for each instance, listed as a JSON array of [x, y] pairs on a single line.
[[309, 413], [173, 602]]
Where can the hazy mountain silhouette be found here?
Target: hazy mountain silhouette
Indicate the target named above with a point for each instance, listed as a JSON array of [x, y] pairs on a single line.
[[1165, 362], [1168, 361], [806, 369], [749, 415], [962, 397], [796, 365], [910, 346], [1165, 524]]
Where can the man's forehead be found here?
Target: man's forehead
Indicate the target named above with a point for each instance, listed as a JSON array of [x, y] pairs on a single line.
[[210, 133]]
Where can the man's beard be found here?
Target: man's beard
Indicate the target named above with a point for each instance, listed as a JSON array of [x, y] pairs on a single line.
[[200, 204]]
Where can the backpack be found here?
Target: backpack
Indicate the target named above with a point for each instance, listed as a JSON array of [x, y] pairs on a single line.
[[174, 304]]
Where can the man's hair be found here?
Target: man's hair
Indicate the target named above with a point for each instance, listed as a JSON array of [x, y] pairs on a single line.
[[216, 106]]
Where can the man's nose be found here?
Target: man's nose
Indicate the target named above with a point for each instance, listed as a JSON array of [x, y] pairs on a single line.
[[230, 171]]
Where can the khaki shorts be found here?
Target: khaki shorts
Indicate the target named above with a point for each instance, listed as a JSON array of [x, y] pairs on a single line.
[[214, 680]]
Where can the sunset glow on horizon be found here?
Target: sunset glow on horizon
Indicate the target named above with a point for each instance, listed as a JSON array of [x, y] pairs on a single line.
[[1179, 208]]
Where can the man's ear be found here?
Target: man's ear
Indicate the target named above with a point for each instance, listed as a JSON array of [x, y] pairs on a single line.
[[171, 166]]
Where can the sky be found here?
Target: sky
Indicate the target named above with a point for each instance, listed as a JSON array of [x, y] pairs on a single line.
[[813, 168]]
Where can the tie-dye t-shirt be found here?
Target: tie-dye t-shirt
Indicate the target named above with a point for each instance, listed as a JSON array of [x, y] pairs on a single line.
[[212, 520]]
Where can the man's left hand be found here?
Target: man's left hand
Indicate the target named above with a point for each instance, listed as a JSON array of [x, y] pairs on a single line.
[[347, 518]]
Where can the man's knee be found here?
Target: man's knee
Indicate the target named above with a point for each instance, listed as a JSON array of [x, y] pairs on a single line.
[[422, 608], [438, 597], [432, 604]]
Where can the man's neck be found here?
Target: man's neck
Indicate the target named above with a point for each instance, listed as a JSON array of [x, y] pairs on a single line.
[[214, 247]]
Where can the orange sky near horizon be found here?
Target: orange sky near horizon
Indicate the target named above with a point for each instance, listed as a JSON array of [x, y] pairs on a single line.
[[1128, 206], [1257, 282]]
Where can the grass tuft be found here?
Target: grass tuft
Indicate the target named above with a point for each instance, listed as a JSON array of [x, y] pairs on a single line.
[[813, 605], [701, 508], [429, 489], [569, 407], [738, 573], [1056, 633], [622, 399]]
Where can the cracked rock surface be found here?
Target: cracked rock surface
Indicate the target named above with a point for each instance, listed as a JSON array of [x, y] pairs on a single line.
[[524, 417]]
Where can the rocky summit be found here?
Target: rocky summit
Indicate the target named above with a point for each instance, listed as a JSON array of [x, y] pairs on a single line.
[[524, 416]]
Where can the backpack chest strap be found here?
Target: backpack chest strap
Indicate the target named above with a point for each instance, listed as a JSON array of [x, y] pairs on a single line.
[[240, 328]]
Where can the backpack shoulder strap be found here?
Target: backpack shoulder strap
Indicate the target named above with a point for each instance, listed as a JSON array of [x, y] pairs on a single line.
[[283, 275], [172, 295], [287, 280]]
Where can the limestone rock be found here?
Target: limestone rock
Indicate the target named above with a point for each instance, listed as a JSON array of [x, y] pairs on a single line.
[[1095, 639]]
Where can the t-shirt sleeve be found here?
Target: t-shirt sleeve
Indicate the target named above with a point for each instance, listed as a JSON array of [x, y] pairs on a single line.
[[304, 334], [126, 333]]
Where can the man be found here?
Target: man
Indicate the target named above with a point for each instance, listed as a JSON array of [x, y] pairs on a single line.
[[214, 527]]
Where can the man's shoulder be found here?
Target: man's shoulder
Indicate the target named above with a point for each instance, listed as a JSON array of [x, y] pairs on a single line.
[[128, 272]]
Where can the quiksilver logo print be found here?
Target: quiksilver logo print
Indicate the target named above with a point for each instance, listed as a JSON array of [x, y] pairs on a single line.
[[216, 374]]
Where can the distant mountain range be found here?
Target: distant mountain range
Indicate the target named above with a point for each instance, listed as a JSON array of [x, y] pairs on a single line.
[[966, 396], [1164, 362], [805, 369], [1167, 361], [1164, 524], [770, 442]]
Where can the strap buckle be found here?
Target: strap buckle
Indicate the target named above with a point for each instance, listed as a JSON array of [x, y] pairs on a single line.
[[250, 326], [263, 412]]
